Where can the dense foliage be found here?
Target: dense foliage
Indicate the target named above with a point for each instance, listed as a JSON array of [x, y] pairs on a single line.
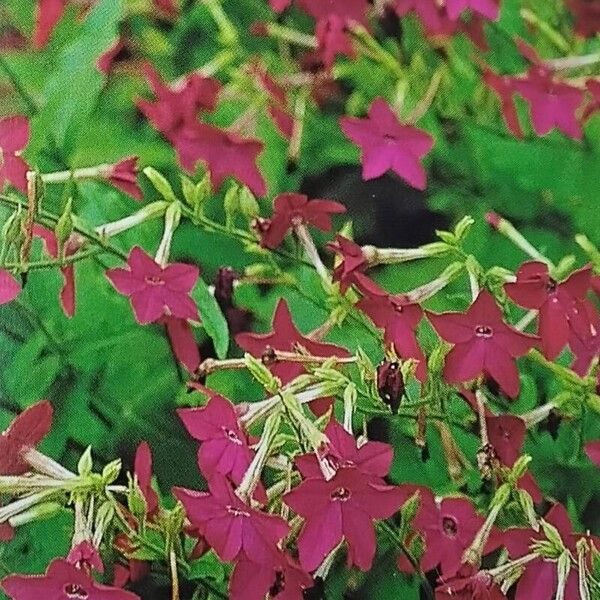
[[299, 299]]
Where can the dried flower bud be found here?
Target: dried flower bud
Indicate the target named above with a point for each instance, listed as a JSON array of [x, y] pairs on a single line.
[[390, 384]]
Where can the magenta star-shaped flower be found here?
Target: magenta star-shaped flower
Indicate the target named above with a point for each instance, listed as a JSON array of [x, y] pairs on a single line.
[[559, 304], [399, 321], [225, 154], [503, 87], [483, 343], [387, 144], [469, 584], [230, 526], [553, 103], [332, 37], [371, 459], [347, 10], [183, 342], [224, 448], [540, 579], [342, 508], [72, 245], [26, 431], [155, 291], [487, 8], [14, 136], [507, 436], [177, 105], [353, 263], [10, 288], [284, 580], [84, 555], [47, 15], [286, 338], [62, 581], [448, 528], [294, 209]]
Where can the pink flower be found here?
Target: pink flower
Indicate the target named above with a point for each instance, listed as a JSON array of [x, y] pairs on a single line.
[[553, 104], [105, 61], [85, 556], [469, 584], [584, 340], [291, 209], [342, 508], [225, 154], [177, 105], [72, 245], [488, 8], [286, 338], [593, 105], [540, 578], [142, 469], [155, 291], [503, 87], [61, 581], [26, 431], [399, 321], [14, 136], [350, 269], [224, 448], [279, 5], [483, 343], [231, 527], [284, 580], [123, 175], [587, 16], [507, 436], [183, 342], [448, 528], [592, 449], [48, 13], [333, 18], [278, 107], [559, 304], [7, 533], [10, 288], [428, 12], [371, 459], [387, 144]]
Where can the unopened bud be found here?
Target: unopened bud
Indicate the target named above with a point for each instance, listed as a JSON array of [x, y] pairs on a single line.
[[160, 183], [42, 511], [528, 508], [85, 464], [261, 373], [248, 203], [111, 471]]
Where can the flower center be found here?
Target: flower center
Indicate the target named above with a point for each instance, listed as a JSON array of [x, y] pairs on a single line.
[[551, 286], [484, 331], [341, 494], [236, 512], [232, 436], [450, 527], [154, 280], [75, 592], [388, 137]]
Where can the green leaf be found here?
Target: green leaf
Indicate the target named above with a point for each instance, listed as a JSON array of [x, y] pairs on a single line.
[[212, 318], [72, 90], [207, 567]]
